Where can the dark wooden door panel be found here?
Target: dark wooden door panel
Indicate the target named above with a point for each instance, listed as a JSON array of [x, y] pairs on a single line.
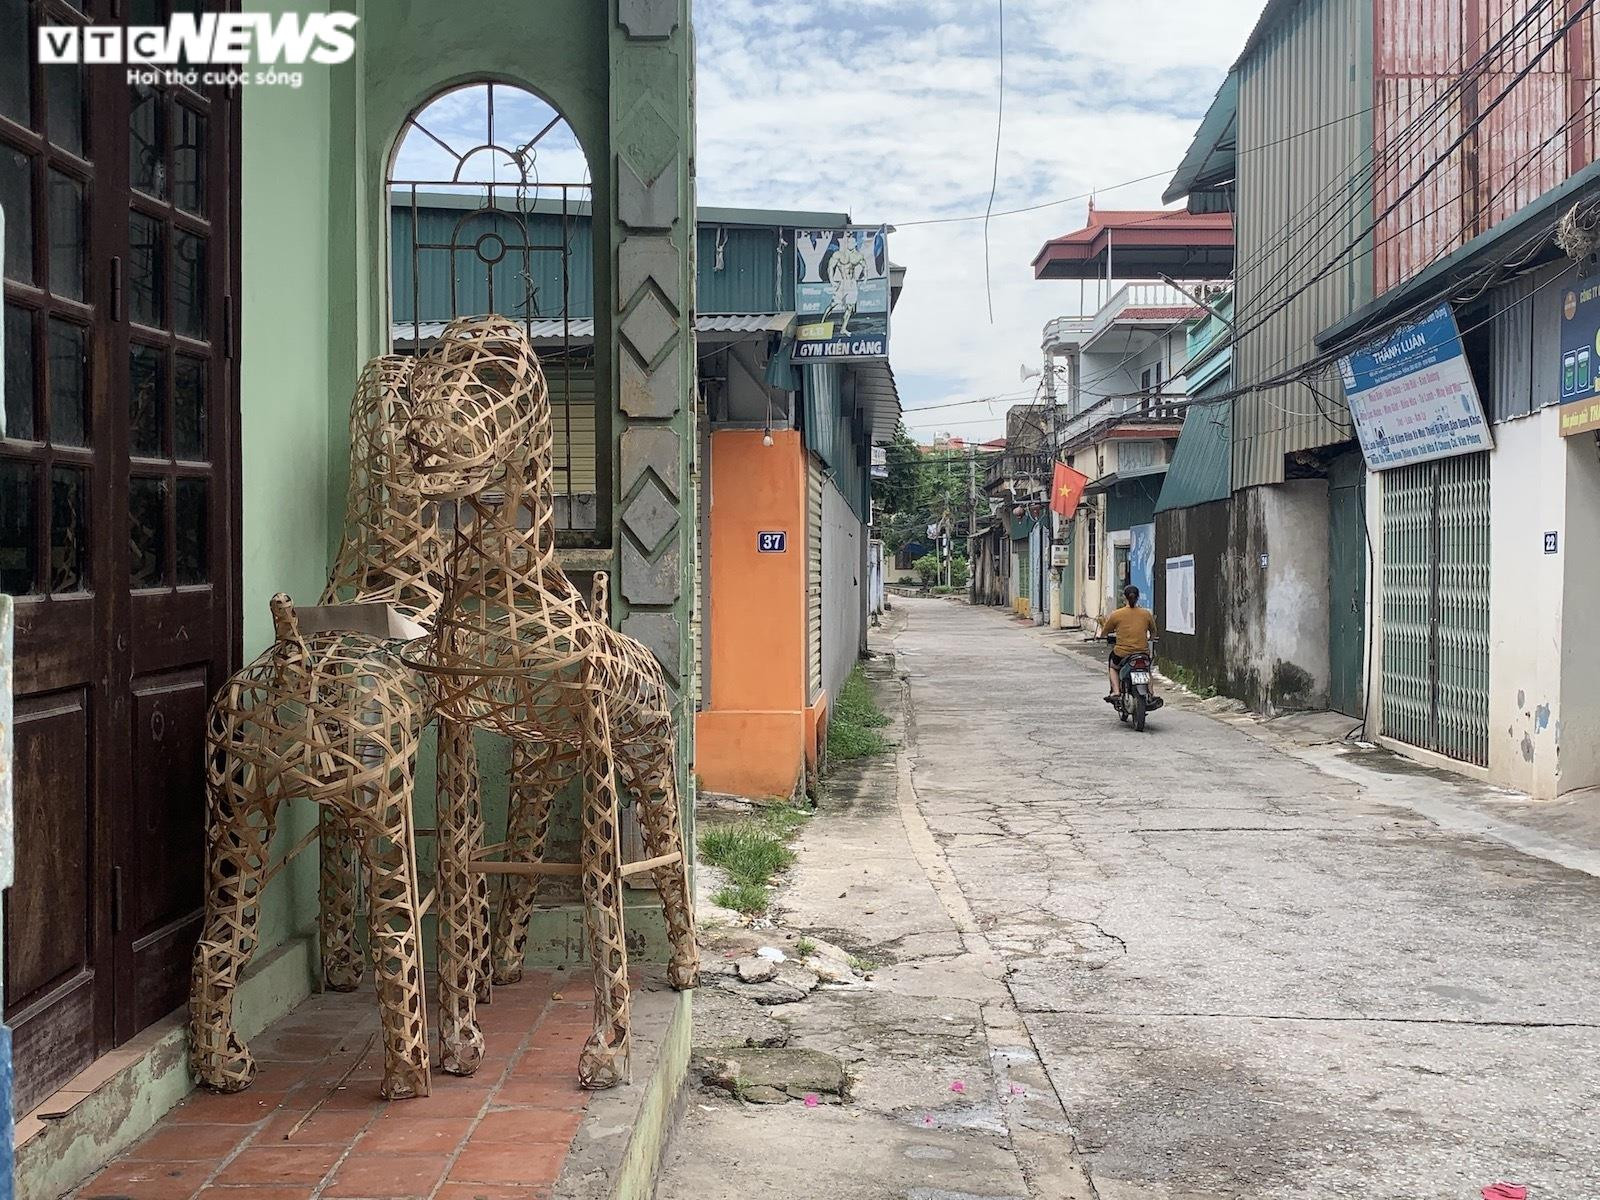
[[49, 923], [119, 510], [163, 891]]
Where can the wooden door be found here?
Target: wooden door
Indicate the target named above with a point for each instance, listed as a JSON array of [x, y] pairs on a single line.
[[117, 531]]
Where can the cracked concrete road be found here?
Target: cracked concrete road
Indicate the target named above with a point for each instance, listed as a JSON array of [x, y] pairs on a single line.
[[1245, 975]]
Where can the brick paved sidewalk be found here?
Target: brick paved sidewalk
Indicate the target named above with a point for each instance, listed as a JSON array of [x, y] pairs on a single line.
[[299, 1133]]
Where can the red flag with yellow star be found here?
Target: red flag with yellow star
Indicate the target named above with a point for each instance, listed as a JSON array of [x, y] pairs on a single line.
[[1067, 490]]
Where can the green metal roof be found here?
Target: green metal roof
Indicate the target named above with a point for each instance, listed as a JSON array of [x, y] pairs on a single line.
[[1210, 160], [744, 259], [1200, 471], [1107, 482]]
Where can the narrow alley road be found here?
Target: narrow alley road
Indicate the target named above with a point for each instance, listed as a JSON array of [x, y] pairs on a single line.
[[1244, 976]]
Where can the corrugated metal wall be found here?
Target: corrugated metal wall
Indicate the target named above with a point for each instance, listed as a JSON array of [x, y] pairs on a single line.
[[744, 269], [473, 278], [756, 272], [1436, 606], [1533, 133], [835, 431], [814, 485], [1525, 341], [1302, 139], [572, 413], [841, 589]]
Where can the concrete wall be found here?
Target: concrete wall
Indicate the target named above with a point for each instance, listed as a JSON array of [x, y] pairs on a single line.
[[751, 733], [1527, 489], [1203, 532], [1278, 639], [1261, 628], [294, 381], [1544, 660], [842, 538], [1578, 727]]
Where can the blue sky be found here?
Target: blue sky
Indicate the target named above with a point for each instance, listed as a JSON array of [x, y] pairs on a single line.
[[886, 109]]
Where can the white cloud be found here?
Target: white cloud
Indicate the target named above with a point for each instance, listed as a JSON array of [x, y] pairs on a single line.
[[886, 109]]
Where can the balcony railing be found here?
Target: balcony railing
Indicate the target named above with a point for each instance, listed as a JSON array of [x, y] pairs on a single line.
[[1114, 410], [1075, 331], [1018, 466]]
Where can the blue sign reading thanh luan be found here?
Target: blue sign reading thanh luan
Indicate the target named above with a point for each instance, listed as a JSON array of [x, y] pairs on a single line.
[[1412, 395]]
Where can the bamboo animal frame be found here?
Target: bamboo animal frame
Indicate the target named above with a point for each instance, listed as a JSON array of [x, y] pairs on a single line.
[[517, 650], [336, 717]]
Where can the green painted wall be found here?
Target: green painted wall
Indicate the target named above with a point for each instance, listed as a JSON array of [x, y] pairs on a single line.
[[315, 303], [285, 395]]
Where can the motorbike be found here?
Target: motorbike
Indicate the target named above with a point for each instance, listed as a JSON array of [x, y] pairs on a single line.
[[1136, 700]]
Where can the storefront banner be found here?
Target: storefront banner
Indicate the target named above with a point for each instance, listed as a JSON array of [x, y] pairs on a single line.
[[1582, 416], [1180, 594], [1580, 342], [1412, 395], [841, 294]]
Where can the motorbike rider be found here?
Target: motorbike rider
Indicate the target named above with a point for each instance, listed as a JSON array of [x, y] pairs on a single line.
[[1133, 628]]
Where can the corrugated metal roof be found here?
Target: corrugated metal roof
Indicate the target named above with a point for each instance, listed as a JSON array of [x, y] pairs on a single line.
[[1300, 128], [879, 396], [1211, 156], [550, 332], [1202, 460], [1452, 271], [1106, 482]]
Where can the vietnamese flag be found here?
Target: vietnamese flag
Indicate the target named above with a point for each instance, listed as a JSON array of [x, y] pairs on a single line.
[[1067, 490]]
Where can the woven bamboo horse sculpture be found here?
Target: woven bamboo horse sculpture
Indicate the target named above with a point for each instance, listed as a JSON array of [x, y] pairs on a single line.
[[335, 717], [517, 650]]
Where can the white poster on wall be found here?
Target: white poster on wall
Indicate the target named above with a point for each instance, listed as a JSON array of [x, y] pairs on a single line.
[[1180, 594]]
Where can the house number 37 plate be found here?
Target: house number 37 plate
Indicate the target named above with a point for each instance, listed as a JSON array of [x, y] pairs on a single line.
[[772, 541]]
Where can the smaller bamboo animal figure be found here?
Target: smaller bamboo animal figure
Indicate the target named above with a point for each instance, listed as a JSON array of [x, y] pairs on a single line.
[[516, 649], [333, 717]]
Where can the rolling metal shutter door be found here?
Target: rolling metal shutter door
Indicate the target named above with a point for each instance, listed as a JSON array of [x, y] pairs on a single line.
[[1436, 606], [814, 484], [572, 417]]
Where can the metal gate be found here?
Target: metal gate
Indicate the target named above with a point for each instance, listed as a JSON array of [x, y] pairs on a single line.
[[1436, 606], [814, 485]]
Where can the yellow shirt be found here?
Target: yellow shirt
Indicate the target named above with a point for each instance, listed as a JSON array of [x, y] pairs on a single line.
[[1134, 628]]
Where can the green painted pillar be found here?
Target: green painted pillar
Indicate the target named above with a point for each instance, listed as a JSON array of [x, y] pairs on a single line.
[[652, 334]]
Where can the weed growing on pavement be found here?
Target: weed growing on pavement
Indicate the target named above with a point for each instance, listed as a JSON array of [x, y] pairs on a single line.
[[1188, 680], [751, 852], [854, 722], [862, 965], [752, 899], [805, 947]]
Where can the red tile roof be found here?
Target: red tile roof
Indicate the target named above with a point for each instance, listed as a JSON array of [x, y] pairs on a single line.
[[1135, 234]]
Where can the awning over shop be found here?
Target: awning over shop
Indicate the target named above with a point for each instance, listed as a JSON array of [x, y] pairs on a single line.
[[1130, 495], [1210, 161], [1107, 482], [546, 332], [878, 395]]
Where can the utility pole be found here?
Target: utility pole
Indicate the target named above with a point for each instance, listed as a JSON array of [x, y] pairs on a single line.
[[972, 524]]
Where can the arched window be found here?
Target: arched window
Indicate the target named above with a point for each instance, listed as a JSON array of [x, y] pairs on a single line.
[[489, 212]]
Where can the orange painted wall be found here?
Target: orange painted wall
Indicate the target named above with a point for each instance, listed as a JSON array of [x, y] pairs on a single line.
[[751, 738]]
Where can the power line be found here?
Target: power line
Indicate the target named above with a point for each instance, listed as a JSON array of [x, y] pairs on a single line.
[[994, 181], [1327, 267]]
